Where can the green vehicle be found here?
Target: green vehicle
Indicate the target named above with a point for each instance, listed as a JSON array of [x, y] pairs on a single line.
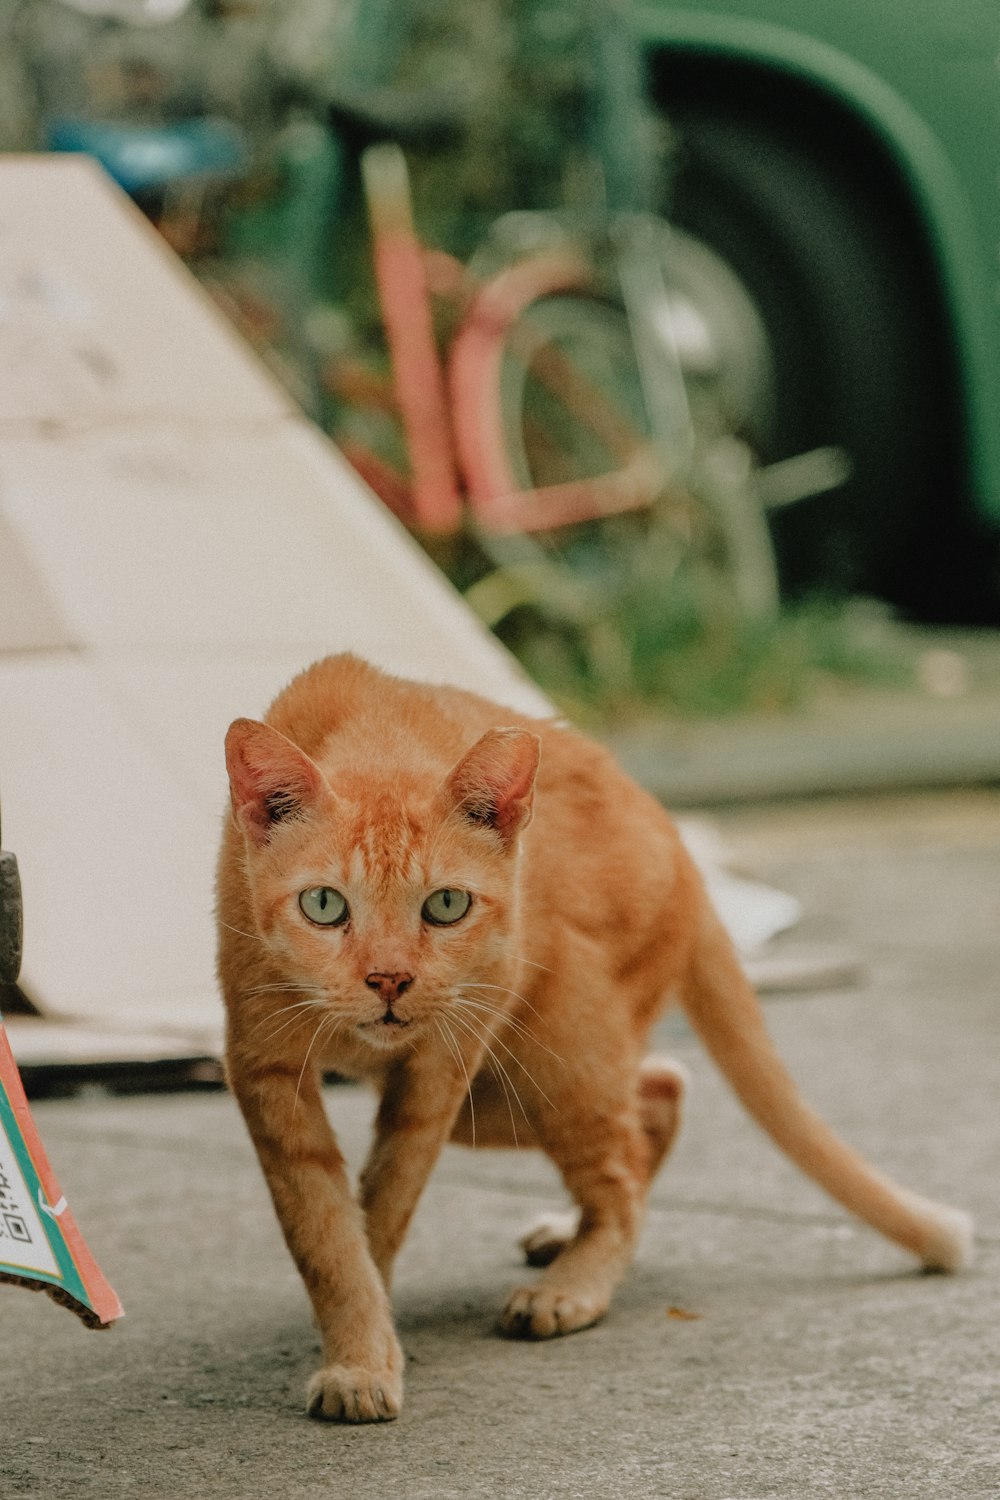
[[837, 178]]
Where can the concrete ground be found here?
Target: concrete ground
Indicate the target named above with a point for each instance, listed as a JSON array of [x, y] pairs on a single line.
[[762, 1347]]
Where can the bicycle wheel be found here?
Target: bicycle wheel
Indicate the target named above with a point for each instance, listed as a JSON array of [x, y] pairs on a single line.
[[504, 364], [570, 398], [554, 423], [618, 553]]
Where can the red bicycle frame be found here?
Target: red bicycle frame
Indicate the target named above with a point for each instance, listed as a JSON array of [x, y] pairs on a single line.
[[464, 437]]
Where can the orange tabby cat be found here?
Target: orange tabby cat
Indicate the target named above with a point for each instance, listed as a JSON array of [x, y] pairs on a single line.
[[483, 916]]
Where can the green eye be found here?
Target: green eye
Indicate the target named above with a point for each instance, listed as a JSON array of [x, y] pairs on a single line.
[[323, 905], [444, 907]]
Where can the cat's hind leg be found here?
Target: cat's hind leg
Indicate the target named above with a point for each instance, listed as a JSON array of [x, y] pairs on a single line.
[[595, 1130], [662, 1085]]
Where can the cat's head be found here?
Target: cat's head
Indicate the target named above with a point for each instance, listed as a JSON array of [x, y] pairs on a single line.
[[385, 891]]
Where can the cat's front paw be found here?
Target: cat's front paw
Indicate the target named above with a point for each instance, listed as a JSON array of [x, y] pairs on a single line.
[[541, 1312], [345, 1393]]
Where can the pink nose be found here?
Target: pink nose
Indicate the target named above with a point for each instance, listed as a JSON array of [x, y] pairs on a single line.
[[389, 986]]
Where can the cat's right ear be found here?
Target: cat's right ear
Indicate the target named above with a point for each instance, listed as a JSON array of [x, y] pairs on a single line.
[[494, 782], [271, 780]]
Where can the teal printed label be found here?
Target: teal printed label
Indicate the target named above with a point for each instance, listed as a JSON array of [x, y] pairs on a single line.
[[31, 1241]]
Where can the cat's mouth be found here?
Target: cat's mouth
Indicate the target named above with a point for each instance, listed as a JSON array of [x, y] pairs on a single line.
[[385, 1028]]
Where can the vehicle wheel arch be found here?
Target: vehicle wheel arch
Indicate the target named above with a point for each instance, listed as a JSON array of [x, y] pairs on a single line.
[[845, 139], [768, 75]]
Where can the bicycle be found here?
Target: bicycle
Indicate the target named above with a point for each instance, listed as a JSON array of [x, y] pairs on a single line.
[[517, 407]]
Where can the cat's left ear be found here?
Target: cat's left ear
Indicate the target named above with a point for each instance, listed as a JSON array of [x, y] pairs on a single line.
[[271, 780], [494, 782]]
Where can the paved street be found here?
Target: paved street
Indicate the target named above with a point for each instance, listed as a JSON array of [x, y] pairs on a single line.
[[763, 1347]]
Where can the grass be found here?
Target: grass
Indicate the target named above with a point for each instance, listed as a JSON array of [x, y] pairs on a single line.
[[618, 634]]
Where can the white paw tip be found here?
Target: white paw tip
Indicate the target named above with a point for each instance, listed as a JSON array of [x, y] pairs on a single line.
[[551, 1226], [950, 1246]]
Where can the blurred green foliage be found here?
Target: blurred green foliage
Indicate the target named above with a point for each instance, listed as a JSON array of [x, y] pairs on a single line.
[[656, 629]]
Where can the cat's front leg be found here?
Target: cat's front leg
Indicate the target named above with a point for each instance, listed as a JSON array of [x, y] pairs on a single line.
[[421, 1099], [362, 1375]]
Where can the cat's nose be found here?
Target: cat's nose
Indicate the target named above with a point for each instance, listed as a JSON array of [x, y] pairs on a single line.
[[389, 986]]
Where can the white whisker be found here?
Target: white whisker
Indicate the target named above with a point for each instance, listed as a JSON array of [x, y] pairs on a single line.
[[487, 1035], [473, 984], [466, 1025], [514, 1022], [254, 937], [323, 1022], [532, 965], [503, 1016], [505, 1081], [292, 989], [303, 1007], [514, 1058], [499, 1072], [444, 1031]]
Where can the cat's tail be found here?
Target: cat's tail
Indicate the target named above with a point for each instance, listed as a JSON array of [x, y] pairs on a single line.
[[724, 1010]]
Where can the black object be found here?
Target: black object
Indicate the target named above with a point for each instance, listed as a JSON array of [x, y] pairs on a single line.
[[422, 118], [10, 919]]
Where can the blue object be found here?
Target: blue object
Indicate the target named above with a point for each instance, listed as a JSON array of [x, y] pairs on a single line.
[[145, 157]]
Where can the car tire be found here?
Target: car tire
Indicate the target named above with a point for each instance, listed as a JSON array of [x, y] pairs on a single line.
[[859, 357]]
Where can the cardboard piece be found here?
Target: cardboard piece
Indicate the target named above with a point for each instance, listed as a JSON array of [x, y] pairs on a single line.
[[101, 322]]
